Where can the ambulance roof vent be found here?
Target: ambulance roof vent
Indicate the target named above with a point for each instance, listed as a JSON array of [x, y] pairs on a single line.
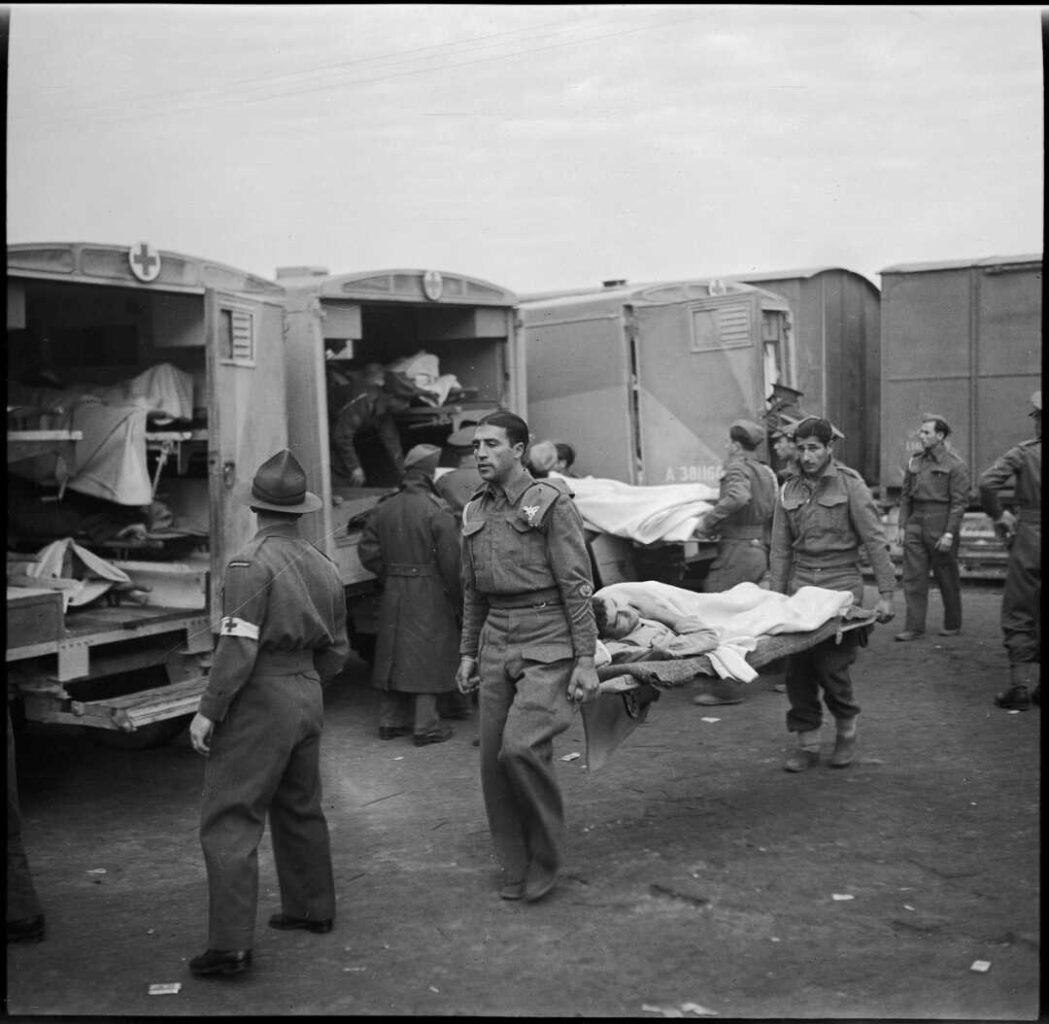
[[285, 272]]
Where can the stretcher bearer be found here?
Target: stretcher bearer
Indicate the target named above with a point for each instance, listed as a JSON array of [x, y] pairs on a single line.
[[1022, 532], [742, 521], [822, 517], [259, 725], [933, 500], [529, 634]]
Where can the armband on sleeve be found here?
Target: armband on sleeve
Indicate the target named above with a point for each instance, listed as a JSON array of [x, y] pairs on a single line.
[[232, 626]]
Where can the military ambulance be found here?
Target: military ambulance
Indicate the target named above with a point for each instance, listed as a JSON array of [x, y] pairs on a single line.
[[644, 380], [434, 325], [142, 386]]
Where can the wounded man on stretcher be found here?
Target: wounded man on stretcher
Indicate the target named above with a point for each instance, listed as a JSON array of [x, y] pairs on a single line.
[[655, 636]]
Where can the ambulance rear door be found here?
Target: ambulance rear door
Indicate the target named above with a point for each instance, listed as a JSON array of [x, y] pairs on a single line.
[[246, 413]]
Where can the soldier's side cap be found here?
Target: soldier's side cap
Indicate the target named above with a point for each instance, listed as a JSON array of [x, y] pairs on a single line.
[[425, 456], [749, 429], [1036, 403], [280, 486], [463, 437]]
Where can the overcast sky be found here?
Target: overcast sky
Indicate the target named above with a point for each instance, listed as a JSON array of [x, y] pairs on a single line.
[[537, 147]]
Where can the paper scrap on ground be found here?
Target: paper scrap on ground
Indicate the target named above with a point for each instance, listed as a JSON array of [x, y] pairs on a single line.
[[841, 896], [679, 1011], [699, 1011], [96, 871], [981, 966], [166, 988], [711, 720], [575, 755]]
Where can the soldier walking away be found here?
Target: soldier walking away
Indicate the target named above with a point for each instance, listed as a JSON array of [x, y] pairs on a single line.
[[24, 916], [283, 632], [529, 634], [932, 503], [822, 517], [741, 520], [1022, 532], [411, 542]]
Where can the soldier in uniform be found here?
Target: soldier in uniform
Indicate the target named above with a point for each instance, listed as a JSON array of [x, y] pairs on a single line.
[[458, 485], [363, 406], [741, 519], [529, 634], [411, 543], [932, 503], [1022, 532], [283, 632], [782, 440], [822, 517]]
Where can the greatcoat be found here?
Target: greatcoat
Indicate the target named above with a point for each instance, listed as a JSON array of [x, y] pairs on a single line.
[[411, 542]]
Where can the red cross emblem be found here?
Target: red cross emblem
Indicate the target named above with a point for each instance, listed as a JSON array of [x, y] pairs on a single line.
[[144, 261]]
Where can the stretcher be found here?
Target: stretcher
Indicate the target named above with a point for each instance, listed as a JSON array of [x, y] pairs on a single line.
[[628, 690]]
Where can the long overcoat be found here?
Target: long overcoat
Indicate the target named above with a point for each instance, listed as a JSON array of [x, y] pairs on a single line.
[[411, 542]]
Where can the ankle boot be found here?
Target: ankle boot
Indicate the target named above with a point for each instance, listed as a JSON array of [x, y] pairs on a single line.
[[1017, 698], [807, 754], [845, 744]]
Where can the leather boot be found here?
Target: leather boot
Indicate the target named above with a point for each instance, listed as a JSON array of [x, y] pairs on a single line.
[[845, 744], [808, 753], [1017, 697]]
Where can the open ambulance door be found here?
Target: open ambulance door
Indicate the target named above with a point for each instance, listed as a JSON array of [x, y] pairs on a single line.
[[247, 422]]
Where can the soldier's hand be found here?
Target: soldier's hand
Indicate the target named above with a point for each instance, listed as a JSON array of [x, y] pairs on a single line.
[[945, 542], [1005, 527], [583, 684], [357, 477], [466, 678], [200, 730], [883, 611]]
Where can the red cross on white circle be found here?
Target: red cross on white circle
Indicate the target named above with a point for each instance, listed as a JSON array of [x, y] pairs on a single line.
[[144, 261]]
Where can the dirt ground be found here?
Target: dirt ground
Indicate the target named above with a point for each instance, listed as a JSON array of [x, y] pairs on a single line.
[[698, 871]]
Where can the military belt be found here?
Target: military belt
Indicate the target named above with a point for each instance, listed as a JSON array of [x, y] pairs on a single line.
[[283, 663], [532, 599], [408, 569], [827, 566], [743, 533]]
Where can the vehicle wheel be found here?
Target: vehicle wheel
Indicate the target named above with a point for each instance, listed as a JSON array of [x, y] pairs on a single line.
[[146, 737]]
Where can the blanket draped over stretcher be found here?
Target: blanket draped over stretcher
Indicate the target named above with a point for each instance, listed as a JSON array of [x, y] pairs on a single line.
[[667, 512], [110, 459], [739, 617], [773, 626]]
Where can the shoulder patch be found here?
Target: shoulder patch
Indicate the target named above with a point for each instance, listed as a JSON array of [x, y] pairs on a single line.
[[849, 471]]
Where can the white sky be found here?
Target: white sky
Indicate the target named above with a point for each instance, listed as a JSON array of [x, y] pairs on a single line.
[[537, 147]]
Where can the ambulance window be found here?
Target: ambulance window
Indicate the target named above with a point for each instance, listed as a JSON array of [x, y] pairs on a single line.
[[237, 336]]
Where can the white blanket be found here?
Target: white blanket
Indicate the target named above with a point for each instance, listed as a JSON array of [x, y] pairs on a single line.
[[738, 616], [665, 512]]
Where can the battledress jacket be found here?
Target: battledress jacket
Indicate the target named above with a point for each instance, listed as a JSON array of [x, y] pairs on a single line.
[[411, 542], [527, 538], [280, 595]]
